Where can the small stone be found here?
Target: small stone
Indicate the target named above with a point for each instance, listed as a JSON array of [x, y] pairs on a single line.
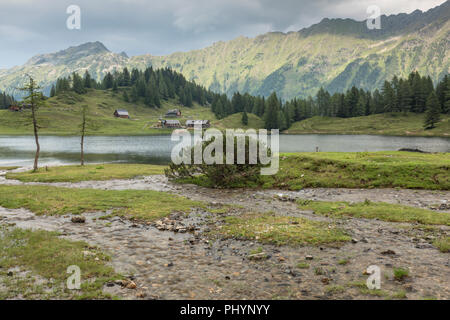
[[110, 284], [131, 285], [78, 219], [258, 256], [354, 240], [388, 252], [410, 288], [309, 257], [122, 283]]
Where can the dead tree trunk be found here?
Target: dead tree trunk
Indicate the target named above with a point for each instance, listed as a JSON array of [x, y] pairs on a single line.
[[36, 138], [83, 133]]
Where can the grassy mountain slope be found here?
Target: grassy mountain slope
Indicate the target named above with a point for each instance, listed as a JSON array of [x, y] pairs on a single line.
[[383, 124], [61, 115]]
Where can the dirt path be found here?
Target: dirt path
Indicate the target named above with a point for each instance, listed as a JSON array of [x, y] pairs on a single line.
[[171, 265]]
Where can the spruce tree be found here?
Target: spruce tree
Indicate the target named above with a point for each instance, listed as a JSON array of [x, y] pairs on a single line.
[[244, 119], [432, 115], [271, 114], [53, 91], [125, 96], [87, 80]]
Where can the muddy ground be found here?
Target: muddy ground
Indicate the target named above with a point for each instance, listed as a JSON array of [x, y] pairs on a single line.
[[189, 265]]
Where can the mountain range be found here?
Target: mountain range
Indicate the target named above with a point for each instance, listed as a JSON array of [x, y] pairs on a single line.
[[335, 54]]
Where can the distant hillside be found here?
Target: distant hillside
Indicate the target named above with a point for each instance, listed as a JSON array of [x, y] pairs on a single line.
[[62, 115], [335, 54]]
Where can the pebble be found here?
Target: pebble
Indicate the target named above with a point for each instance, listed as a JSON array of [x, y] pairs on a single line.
[[78, 219]]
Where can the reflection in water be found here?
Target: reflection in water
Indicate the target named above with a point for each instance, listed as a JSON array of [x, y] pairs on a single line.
[[19, 150]]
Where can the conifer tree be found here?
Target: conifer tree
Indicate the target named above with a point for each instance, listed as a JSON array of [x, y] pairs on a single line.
[[432, 115], [271, 114], [244, 119]]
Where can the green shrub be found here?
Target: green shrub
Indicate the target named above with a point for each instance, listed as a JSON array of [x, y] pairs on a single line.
[[220, 175]]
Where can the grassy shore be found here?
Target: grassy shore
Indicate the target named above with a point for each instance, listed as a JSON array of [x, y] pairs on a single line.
[[40, 260], [297, 170], [362, 170], [87, 173], [376, 210], [355, 170], [396, 124], [138, 204]]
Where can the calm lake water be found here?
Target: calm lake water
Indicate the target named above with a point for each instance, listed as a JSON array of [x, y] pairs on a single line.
[[19, 150]]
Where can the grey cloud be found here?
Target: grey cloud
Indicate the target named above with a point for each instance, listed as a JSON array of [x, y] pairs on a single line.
[[28, 27]]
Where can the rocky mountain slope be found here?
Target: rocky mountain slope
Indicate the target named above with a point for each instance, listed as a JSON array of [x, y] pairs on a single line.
[[335, 54]]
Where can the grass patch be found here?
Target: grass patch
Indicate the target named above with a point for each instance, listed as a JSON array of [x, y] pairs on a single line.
[[401, 294], [302, 265], [443, 244], [376, 210], [87, 173], [400, 273], [235, 121], [148, 205], [280, 230], [397, 124], [334, 289], [362, 287], [45, 254]]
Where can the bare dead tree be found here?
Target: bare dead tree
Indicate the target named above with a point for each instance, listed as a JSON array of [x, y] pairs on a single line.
[[83, 131], [35, 99]]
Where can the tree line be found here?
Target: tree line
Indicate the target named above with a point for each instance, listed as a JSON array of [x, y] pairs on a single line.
[[149, 86], [414, 94]]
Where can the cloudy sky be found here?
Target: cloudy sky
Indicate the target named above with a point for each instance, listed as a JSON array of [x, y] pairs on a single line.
[[159, 27]]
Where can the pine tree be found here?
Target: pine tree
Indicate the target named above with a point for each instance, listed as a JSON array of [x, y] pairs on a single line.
[[115, 87], [271, 114], [77, 84], [388, 95], [244, 119], [433, 111], [126, 79], [53, 91], [87, 80], [125, 96]]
